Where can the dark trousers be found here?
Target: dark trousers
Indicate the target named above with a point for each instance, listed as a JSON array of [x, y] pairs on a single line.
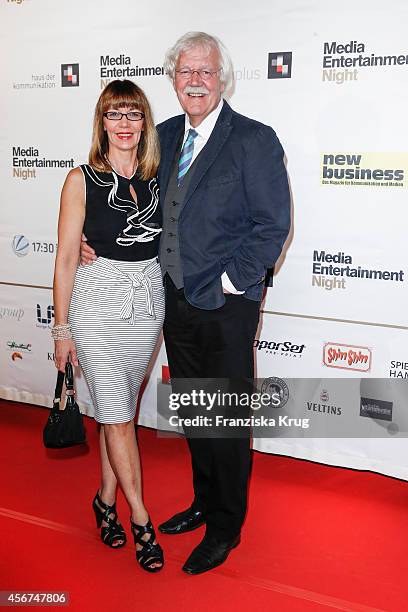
[[214, 344]]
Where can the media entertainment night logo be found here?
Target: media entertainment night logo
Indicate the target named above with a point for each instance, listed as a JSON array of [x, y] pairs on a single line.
[[280, 65], [331, 270], [341, 61], [69, 75]]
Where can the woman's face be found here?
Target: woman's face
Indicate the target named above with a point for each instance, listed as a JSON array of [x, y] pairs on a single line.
[[123, 134]]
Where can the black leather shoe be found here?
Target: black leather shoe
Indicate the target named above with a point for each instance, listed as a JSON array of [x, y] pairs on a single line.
[[183, 521], [209, 554]]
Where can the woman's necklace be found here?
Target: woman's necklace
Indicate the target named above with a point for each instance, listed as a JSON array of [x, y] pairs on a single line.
[[124, 176]]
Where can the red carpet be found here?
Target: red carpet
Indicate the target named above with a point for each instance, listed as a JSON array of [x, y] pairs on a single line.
[[316, 537]]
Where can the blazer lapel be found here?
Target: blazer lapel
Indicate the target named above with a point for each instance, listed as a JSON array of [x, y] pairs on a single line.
[[211, 150]]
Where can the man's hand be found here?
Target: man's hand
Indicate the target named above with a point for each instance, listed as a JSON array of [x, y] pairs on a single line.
[[88, 255]]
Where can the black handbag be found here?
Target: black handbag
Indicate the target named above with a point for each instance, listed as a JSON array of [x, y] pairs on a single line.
[[64, 427]]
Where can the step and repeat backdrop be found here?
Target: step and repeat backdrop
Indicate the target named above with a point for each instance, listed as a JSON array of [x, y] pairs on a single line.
[[333, 82]]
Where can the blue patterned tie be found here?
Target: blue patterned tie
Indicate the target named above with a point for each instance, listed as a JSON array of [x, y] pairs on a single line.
[[186, 156]]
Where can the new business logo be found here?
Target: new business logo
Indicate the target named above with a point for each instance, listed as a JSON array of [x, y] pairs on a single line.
[[280, 65], [351, 169], [347, 357], [69, 75]]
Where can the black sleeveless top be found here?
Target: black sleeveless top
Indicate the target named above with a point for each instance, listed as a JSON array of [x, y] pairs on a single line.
[[115, 225]]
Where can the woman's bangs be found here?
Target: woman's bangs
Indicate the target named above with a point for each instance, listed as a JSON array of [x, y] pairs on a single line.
[[122, 101]]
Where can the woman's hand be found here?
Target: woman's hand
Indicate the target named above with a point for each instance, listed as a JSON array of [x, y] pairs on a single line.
[[64, 351]]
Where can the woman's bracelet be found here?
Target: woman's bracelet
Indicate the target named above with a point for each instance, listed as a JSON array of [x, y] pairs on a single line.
[[61, 332]]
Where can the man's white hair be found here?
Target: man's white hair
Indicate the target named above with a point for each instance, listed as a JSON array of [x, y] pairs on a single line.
[[200, 39]]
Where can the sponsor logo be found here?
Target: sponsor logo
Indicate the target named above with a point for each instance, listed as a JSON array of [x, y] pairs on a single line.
[[342, 61], [324, 406], [283, 349], [69, 75], [330, 270], [367, 169], [398, 369], [247, 74], [20, 245], [280, 65], [11, 313], [376, 409], [347, 357], [26, 161], [13, 345], [324, 395], [276, 388], [17, 349], [47, 80], [122, 66], [45, 316]]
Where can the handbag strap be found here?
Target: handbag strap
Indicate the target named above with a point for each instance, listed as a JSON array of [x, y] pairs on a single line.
[[58, 387], [69, 382]]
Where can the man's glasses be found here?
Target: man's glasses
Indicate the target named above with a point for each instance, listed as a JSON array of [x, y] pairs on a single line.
[[205, 75], [117, 116]]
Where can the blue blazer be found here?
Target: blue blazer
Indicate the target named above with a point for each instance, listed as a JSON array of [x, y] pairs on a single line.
[[236, 213]]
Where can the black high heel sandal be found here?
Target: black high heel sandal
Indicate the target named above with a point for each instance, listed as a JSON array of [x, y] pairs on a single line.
[[149, 553], [113, 531]]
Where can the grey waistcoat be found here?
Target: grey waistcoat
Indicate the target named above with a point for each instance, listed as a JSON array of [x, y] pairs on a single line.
[[169, 242]]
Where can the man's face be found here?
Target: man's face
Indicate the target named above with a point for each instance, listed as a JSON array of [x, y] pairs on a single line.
[[198, 96]]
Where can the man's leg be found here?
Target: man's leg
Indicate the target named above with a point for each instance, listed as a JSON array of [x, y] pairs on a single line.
[[185, 362], [229, 355]]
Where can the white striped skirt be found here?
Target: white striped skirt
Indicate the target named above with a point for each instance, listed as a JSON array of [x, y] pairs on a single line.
[[116, 314]]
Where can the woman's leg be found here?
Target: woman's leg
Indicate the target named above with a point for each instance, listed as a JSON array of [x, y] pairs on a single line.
[[109, 483], [123, 455]]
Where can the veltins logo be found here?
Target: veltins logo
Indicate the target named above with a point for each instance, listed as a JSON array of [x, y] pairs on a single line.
[[324, 407], [347, 357], [376, 409], [280, 65], [20, 245], [69, 75]]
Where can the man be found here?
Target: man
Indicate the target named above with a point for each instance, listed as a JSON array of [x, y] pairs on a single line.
[[224, 224], [226, 214]]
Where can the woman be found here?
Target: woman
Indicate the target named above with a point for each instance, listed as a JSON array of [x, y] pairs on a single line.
[[109, 315]]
